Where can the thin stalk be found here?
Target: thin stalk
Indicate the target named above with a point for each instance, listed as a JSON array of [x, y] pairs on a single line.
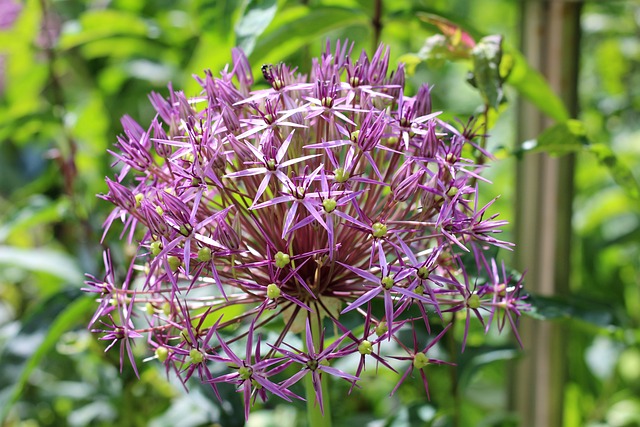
[[314, 414], [376, 23]]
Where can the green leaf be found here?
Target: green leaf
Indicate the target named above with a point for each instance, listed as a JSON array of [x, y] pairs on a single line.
[[473, 359], [297, 26], [530, 84], [255, 18], [38, 336], [570, 137], [486, 57], [38, 210], [48, 261], [557, 308], [620, 172], [101, 24], [560, 139]]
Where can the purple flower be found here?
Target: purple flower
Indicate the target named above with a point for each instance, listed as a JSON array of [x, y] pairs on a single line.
[[9, 12], [301, 204]]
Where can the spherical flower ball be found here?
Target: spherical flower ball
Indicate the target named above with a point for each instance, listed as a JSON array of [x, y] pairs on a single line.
[[269, 222]]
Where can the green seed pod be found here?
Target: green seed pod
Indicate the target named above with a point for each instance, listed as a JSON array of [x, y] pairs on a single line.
[[156, 248], [382, 329], [174, 263], [378, 230], [420, 360], [162, 353], [282, 259], [273, 291], [473, 302], [365, 347], [387, 282], [204, 254], [196, 356]]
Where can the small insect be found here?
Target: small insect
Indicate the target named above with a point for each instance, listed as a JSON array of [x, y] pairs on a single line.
[[267, 72]]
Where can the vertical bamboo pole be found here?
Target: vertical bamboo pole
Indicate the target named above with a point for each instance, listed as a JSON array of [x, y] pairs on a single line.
[[550, 41]]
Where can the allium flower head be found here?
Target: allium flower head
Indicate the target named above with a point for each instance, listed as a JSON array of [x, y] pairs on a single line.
[[270, 216]]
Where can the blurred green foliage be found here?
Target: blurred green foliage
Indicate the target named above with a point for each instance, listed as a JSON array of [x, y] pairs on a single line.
[[70, 69]]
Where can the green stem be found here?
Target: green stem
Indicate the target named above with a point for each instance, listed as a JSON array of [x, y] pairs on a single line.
[[316, 417]]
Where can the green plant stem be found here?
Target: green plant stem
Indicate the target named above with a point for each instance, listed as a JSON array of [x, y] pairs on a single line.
[[315, 415]]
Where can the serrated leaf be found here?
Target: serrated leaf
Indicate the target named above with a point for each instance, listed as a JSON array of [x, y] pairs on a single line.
[[37, 337]]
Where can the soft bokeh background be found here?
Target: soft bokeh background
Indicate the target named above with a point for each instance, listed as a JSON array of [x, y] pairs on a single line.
[[70, 69]]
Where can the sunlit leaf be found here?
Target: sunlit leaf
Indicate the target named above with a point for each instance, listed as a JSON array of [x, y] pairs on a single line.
[[570, 137], [37, 211], [255, 18], [530, 84], [101, 24], [295, 27]]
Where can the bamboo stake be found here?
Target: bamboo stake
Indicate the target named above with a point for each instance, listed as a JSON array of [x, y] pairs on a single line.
[[550, 41]]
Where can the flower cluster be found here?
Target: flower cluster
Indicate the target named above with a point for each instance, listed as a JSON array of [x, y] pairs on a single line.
[[268, 220]]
